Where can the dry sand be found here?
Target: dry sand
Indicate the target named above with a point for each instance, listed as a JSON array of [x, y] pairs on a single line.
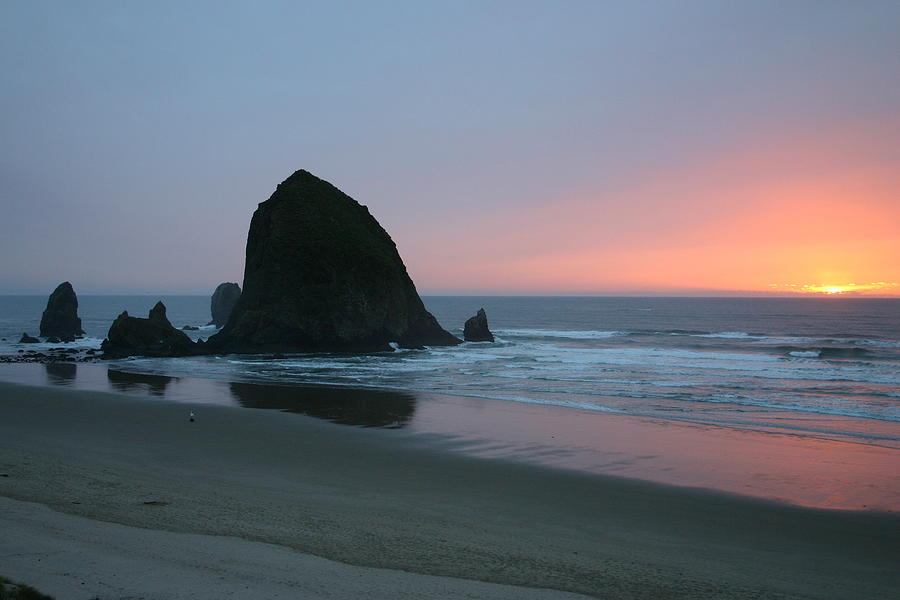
[[75, 557], [248, 503]]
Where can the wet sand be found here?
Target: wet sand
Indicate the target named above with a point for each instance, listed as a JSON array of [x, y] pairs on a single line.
[[805, 469], [129, 480]]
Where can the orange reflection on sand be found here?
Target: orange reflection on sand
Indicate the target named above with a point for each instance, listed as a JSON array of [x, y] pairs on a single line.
[[806, 471]]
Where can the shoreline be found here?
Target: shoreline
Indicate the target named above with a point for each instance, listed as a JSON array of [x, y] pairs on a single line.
[[802, 470], [384, 499]]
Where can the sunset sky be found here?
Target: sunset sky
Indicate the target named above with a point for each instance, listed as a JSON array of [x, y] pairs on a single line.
[[678, 147]]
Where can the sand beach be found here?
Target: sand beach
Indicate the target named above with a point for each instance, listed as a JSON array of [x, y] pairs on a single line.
[[110, 496]]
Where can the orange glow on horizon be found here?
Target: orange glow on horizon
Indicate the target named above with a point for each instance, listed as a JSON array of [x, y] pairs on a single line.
[[880, 287], [790, 213]]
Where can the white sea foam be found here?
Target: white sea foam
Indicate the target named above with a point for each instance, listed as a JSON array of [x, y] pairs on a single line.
[[879, 343], [83, 343], [805, 353], [725, 334], [552, 362], [553, 333], [545, 402], [656, 356], [789, 340], [758, 338]]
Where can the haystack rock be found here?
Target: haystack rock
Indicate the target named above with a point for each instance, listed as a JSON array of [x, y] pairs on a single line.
[[154, 336], [60, 318], [222, 303], [476, 328], [322, 275]]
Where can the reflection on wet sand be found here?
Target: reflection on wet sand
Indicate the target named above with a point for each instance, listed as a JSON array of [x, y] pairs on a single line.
[[61, 373], [347, 406], [136, 382]]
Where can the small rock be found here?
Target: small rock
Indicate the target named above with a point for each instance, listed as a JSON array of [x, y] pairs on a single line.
[[221, 304], [27, 339], [476, 328], [153, 336]]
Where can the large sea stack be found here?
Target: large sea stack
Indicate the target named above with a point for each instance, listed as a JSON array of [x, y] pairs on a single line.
[[322, 275], [154, 336], [60, 318], [222, 303]]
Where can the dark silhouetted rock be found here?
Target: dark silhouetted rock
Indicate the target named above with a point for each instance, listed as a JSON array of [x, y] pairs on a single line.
[[27, 339], [60, 318], [53, 340], [154, 336], [322, 275], [476, 328], [222, 303], [189, 328]]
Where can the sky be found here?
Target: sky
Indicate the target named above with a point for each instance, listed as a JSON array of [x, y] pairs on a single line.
[[559, 147]]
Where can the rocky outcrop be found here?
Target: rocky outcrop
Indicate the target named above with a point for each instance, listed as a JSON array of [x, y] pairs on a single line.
[[27, 339], [322, 275], [60, 318], [154, 336], [222, 303], [476, 328]]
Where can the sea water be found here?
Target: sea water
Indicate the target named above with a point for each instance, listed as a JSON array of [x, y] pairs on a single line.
[[822, 367]]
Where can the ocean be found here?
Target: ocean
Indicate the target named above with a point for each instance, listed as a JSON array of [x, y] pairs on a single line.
[[813, 369]]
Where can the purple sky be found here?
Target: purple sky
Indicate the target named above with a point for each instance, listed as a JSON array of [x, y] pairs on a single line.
[[508, 147]]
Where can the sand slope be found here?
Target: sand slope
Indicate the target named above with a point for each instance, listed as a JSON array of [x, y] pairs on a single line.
[[75, 557]]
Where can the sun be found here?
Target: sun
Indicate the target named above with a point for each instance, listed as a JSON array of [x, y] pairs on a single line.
[[832, 289]]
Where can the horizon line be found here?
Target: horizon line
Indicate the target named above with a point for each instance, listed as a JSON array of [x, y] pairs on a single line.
[[738, 294]]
